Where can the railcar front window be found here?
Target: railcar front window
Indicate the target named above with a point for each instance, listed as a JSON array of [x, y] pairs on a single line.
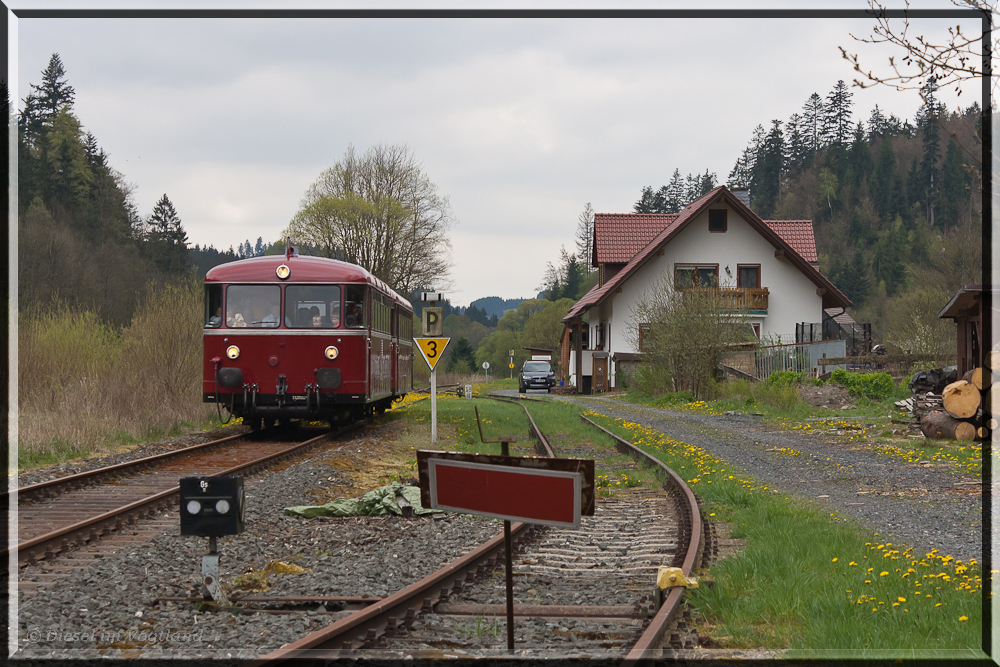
[[254, 306], [213, 306], [312, 306]]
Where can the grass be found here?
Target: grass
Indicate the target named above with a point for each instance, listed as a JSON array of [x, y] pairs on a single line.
[[809, 580], [806, 580]]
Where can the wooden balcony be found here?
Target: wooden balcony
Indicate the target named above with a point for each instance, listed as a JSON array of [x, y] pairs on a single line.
[[742, 298]]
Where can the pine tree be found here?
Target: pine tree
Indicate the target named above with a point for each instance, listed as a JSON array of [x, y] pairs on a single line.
[[54, 93], [647, 201], [953, 189], [168, 240], [883, 181], [860, 157], [770, 165], [837, 115], [813, 112], [927, 124], [889, 258], [673, 199], [796, 149], [877, 125]]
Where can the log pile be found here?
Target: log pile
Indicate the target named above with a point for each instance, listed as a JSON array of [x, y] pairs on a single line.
[[958, 413]]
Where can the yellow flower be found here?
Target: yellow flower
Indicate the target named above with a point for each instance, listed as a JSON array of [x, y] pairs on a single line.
[[883, 573], [834, 560], [901, 599], [963, 618]]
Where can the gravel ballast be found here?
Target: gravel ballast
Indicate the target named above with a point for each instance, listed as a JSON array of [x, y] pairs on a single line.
[[108, 608]]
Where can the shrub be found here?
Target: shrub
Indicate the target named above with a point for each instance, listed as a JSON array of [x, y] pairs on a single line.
[[785, 378], [873, 386]]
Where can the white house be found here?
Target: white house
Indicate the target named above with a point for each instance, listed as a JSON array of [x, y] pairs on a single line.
[[767, 266]]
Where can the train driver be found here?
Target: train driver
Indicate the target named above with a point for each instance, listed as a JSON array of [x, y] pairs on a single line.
[[271, 319], [353, 318]]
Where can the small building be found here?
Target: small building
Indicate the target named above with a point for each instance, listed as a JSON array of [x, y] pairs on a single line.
[[767, 267], [967, 308]]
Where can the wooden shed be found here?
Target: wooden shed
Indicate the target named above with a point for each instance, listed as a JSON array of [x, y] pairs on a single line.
[[968, 308]]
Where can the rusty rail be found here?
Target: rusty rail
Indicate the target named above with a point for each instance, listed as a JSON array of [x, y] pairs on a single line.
[[646, 648], [79, 534]]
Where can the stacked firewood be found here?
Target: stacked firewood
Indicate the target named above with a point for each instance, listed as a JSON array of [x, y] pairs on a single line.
[[963, 403]]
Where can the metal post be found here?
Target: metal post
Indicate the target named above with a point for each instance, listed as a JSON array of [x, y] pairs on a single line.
[[434, 407], [508, 567]]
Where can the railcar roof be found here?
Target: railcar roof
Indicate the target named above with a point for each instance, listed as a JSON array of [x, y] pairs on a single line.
[[303, 269]]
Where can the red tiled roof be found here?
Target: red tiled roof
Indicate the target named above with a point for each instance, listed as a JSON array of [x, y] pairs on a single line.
[[618, 237], [798, 234]]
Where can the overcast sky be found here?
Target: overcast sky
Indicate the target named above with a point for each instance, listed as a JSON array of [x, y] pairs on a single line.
[[518, 121]]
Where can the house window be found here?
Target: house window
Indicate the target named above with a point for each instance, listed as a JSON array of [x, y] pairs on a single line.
[[717, 219], [756, 329], [748, 275], [696, 275], [643, 337]]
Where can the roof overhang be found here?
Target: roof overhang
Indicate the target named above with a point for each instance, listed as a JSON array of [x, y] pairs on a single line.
[[965, 301]]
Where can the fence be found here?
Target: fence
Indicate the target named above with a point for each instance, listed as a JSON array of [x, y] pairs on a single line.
[[896, 365], [761, 362]]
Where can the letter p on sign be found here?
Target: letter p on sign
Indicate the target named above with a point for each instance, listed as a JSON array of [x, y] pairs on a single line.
[[433, 322]]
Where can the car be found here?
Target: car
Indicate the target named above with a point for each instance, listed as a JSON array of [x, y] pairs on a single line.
[[536, 375]]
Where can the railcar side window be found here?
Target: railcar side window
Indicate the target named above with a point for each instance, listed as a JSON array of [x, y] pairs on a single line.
[[312, 306], [354, 306], [213, 306], [252, 306]]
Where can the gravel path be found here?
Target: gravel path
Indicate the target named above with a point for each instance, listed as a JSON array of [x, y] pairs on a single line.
[[923, 505]]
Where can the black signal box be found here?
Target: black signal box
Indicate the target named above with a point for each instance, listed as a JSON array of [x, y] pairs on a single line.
[[211, 506]]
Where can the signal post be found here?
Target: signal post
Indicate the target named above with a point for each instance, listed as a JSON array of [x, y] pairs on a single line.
[[432, 347]]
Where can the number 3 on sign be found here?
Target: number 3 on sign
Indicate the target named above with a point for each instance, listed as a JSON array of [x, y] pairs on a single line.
[[431, 349]]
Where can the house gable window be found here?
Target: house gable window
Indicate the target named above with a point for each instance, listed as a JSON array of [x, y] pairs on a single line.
[[717, 219], [748, 275], [696, 275]]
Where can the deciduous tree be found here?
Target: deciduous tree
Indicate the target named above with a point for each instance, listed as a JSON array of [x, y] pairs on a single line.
[[379, 210]]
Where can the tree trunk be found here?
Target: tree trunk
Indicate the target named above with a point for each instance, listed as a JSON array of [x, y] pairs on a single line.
[[975, 378], [992, 360], [939, 425], [982, 433], [961, 399]]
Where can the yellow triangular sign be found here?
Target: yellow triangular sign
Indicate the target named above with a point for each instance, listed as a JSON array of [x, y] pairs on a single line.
[[432, 349]]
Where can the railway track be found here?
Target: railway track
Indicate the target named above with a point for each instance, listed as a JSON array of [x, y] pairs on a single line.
[[78, 511], [616, 554]]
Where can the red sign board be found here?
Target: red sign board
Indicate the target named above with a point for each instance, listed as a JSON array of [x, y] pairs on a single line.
[[515, 488]]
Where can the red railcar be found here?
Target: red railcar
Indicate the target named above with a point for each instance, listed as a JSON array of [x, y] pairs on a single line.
[[291, 336]]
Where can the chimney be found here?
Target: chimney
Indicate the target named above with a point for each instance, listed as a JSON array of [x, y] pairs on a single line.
[[742, 193]]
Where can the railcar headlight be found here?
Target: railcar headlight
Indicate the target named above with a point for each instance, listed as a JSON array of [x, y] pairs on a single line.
[[283, 271], [331, 353], [222, 506], [193, 507], [233, 352]]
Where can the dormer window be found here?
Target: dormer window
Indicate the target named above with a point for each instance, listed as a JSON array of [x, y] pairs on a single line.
[[717, 219]]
